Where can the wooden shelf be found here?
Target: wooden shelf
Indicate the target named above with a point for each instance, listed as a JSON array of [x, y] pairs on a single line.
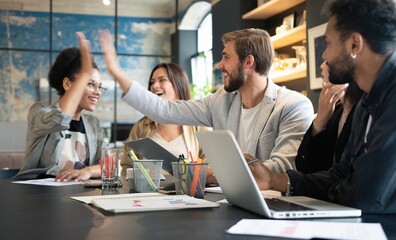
[[292, 36], [289, 75], [270, 9]]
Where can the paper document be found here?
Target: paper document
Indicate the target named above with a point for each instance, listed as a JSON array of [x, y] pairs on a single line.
[[89, 199], [144, 202], [48, 182], [308, 229]]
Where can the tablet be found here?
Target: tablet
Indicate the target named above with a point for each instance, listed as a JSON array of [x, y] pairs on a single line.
[[149, 149]]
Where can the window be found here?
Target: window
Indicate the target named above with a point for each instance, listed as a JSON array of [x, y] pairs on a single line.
[[32, 33], [202, 63]]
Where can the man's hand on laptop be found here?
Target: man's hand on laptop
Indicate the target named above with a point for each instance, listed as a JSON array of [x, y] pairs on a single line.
[[265, 178]]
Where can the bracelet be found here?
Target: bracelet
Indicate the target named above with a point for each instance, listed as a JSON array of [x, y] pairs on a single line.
[[289, 191]]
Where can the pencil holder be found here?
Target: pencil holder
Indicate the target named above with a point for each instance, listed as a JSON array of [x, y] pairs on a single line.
[[147, 175], [190, 178]]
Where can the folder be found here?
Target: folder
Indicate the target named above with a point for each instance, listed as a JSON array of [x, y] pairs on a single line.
[[149, 149]]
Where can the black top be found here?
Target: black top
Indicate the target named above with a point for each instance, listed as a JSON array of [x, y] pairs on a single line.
[[320, 152], [365, 176], [77, 126]]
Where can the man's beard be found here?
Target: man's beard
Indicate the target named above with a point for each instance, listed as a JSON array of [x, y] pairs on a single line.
[[344, 72], [235, 83]]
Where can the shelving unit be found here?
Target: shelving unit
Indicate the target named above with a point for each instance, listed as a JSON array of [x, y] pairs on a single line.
[[292, 36], [282, 40], [270, 9], [289, 75]]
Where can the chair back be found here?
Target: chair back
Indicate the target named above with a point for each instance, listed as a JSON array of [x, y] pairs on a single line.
[[8, 173]]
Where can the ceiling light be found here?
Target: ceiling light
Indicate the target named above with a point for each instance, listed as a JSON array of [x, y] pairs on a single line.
[[106, 2]]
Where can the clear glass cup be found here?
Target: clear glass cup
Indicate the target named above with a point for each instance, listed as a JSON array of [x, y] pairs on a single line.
[[110, 168]]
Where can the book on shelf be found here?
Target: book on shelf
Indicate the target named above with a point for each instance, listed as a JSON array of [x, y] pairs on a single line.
[[145, 202]]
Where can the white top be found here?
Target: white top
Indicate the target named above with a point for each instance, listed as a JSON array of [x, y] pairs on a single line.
[[74, 153], [176, 146], [248, 118]]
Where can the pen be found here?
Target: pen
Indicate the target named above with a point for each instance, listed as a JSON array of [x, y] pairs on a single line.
[[253, 161], [194, 175], [196, 184], [133, 155], [192, 159]]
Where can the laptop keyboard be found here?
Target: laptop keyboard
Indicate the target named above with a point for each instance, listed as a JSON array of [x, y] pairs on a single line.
[[280, 205]]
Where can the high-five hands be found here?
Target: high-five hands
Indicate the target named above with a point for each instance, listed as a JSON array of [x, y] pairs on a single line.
[[111, 60]]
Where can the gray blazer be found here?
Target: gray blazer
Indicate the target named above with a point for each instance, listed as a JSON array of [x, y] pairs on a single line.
[[283, 118], [44, 141]]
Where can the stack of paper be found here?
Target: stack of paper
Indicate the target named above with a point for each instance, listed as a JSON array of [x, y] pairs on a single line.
[[143, 202]]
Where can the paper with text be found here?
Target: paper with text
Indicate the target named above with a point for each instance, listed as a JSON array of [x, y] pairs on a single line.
[[308, 229]]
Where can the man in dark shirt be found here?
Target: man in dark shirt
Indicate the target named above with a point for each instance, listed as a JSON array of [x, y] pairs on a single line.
[[361, 40]]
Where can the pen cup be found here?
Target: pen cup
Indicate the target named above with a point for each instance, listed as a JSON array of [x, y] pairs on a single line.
[[147, 174], [110, 168], [190, 178]]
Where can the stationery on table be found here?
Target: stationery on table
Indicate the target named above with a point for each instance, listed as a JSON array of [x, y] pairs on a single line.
[[134, 158], [195, 179], [144, 202], [308, 229], [190, 176]]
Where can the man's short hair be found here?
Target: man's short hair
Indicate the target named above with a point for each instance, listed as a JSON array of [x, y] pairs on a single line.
[[375, 20]]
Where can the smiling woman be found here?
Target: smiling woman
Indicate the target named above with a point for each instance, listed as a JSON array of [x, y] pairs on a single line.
[[170, 82], [62, 141]]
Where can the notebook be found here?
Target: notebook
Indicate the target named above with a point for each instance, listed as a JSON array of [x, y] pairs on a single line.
[[149, 149], [145, 202], [239, 187]]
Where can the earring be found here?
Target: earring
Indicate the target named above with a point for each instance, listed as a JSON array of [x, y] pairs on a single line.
[[353, 55]]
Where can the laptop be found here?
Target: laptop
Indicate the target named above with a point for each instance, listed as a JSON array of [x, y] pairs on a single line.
[[240, 188]]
